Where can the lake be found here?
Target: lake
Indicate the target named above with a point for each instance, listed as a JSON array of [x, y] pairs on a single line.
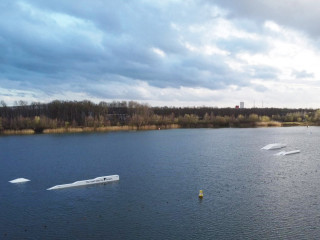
[[249, 193]]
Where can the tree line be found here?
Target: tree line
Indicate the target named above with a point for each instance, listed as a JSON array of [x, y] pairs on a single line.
[[66, 114]]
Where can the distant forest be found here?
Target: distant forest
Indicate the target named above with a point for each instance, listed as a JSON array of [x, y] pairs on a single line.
[[75, 114]]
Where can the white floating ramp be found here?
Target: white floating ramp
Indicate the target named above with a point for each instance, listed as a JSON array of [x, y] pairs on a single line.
[[273, 146], [97, 180], [19, 180], [283, 153]]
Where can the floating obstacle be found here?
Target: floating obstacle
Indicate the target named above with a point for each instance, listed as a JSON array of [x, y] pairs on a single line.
[[19, 180], [274, 146], [97, 180], [283, 153]]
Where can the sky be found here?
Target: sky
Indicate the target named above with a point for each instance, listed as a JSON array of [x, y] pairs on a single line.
[[165, 53]]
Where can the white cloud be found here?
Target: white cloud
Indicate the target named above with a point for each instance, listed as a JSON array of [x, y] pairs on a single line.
[[288, 51], [298, 14], [159, 52], [272, 26]]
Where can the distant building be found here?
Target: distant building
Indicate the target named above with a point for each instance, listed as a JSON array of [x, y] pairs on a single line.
[[241, 104]]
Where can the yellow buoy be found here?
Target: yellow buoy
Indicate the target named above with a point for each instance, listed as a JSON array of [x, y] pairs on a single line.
[[201, 194]]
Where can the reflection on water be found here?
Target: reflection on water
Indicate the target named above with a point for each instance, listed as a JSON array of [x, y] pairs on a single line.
[[248, 193]]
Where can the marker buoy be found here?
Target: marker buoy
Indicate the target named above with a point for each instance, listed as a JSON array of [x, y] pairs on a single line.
[[201, 194]]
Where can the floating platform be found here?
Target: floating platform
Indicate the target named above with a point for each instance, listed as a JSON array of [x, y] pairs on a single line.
[[19, 180], [283, 153], [273, 146], [97, 180]]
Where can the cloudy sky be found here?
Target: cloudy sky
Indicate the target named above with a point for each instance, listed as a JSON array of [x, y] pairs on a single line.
[[162, 52]]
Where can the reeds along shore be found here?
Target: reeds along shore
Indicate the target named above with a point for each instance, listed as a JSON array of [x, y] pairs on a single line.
[[135, 128], [108, 129], [89, 129], [18, 132]]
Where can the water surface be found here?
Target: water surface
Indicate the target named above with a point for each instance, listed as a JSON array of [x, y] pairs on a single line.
[[248, 193]]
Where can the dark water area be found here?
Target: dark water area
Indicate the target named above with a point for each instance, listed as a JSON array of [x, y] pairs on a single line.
[[248, 193]]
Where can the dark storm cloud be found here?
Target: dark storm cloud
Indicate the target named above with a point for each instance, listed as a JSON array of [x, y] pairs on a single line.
[[54, 46]]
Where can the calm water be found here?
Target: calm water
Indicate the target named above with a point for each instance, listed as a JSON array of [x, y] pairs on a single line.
[[248, 193]]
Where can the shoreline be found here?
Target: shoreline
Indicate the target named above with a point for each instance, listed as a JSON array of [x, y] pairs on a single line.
[[147, 127], [87, 129]]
